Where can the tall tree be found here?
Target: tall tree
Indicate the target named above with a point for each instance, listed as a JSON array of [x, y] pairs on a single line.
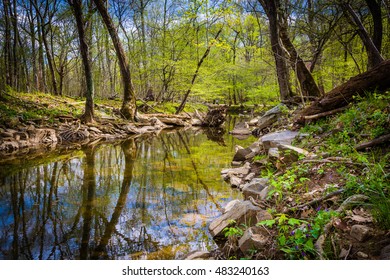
[[308, 86], [129, 107], [77, 9], [282, 72]]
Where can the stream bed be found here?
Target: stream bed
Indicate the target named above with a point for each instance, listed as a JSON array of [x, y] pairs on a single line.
[[150, 197]]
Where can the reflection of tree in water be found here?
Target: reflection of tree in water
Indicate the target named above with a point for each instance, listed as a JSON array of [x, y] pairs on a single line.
[[215, 134], [43, 227], [132, 200]]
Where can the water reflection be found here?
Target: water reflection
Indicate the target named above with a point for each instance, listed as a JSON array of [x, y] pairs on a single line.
[[149, 197]]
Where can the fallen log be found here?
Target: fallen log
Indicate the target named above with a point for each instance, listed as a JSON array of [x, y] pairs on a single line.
[[380, 140], [324, 114], [377, 78]]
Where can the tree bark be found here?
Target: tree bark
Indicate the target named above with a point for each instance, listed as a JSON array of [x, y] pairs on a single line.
[[306, 81], [77, 8], [278, 52], [129, 107], [376, 78]]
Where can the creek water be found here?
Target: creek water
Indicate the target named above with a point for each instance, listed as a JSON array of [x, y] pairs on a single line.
[[150, 197]]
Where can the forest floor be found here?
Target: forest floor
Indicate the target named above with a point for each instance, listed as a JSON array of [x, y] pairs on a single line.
[[332, 201]]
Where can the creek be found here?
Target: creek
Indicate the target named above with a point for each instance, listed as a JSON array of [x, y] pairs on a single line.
[[150, 197]]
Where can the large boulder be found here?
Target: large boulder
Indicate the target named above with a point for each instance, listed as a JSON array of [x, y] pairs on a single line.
[[271, 116], [243, 212], [254, 188]]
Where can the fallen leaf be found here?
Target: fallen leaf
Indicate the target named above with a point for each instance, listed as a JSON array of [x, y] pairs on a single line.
[[361, 219]]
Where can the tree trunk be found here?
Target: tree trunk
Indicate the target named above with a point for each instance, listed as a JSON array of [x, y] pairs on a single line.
[[77, 8], [7, 44], [129, 108], [376, 78], [306, 81], [373, 54], [279, 54]]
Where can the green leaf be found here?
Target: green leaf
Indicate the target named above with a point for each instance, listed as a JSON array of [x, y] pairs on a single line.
[[294, 222], [268, 223]]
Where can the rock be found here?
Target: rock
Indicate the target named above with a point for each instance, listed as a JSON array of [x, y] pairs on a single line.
[[253, 189], [360, 232], [385, 253], [273, 154], [235, 182], [241, 154], [243, 212], [236, 163], [238, 172], [254, 238], [230, 205], [250, 177], [253, 122], [270, 116], [197, 255], [264, 193], [263, 215], [272, 140], [241, 129], [292, 154]]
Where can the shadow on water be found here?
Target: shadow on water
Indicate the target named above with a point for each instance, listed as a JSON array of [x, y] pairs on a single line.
[[144, 198]]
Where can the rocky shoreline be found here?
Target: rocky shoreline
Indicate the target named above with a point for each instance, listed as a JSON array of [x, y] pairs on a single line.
[[240, 230]]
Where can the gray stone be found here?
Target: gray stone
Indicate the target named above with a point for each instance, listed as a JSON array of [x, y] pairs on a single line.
[[263, 215], [266, 121], [273, 154], [239, 172], [278, 109], [198, 255], [250, 177], [235, 182], [242, 154], [271, 116], [292, 154], [385, 253], [253, 189], [230, 205], [360, 232], [254, 238], [236, 163], [272, 140], [264, 193], [243, 212]]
